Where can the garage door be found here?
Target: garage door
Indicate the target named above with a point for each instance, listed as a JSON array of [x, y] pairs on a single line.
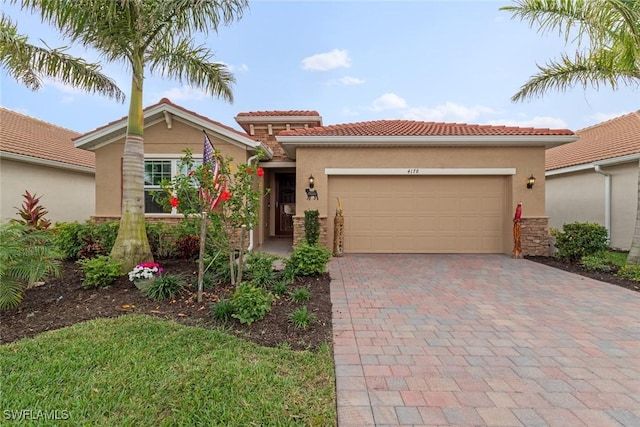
[[422, 214]]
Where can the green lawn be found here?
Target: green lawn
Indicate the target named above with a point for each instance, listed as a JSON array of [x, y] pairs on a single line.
[[142, 371], [616, 258]]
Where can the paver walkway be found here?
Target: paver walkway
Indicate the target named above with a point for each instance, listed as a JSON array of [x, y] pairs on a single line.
[[481, 340]]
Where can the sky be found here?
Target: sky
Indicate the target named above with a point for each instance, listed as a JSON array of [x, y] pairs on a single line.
[[351, 61]]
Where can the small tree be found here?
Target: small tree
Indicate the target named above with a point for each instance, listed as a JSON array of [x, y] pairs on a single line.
[[32, 213], [311, 226], [226, 223]]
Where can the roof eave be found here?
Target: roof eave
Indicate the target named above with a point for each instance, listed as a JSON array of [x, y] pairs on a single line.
[[584, 166], [278, 119], [291, 142], [46, 162], [98, 138]]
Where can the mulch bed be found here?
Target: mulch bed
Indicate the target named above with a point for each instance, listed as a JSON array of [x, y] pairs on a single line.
[[62, 301], [578, 269]]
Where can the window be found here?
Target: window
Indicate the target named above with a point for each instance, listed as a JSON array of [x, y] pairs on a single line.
[[155, 171]]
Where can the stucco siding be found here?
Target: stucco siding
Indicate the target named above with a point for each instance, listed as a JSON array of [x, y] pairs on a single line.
[[67, 195], [580, 196], [158, 141], [525, 160]]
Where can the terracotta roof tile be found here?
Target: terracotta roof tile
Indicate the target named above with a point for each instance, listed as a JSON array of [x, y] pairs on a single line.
[[614, 138], [279, 113], [21, 134], [168, 102], [416, 128]]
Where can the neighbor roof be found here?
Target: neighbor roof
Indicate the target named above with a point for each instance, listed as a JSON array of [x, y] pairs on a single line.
[[279, 113], [29, 139], [614, 138], [416, 128]]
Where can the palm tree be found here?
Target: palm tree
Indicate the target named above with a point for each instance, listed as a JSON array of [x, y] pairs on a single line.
[[153, 34], [607, 35], [28, 64]]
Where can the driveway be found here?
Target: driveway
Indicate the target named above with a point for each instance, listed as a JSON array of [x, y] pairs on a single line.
[[471, 340]]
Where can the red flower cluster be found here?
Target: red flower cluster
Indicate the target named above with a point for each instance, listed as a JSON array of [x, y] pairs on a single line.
[[226, 195], [174, 202], [260, 172]]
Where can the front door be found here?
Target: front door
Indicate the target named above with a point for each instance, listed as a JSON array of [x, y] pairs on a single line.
[[285, 203]]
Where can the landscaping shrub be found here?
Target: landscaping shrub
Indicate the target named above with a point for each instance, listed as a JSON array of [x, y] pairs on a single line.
[[99, 271], [165, 286], [90, 248], [187, 247], [630, 271], [307, 260], [222, 310], [301, 295], [596, 262], [31, 213], [301, 318], [579, 239], [68, 238], [311, 226], [161, 238], [250, 303], [27, 255], [260, 269], [105, 234]]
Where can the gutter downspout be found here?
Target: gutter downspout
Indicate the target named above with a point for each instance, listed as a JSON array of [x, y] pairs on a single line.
[[250, 248], [607, 198]]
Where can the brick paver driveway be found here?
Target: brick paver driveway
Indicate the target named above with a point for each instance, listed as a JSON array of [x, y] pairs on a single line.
[[471, 340]]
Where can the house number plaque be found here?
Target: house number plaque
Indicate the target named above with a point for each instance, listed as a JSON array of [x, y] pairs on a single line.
[[413, 171]]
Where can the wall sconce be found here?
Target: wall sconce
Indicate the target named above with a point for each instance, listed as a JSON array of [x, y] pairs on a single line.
[[311, 193], [531, 181]]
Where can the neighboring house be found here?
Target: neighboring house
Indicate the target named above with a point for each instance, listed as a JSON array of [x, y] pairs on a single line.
[[595, 179], [40, 157], [405, 186]]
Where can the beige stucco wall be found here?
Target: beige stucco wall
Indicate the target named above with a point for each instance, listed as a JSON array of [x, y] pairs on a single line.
[[579, 196], [158, 140], [67, 195], [526, 161]]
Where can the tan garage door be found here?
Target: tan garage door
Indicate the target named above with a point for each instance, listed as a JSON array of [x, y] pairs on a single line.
[[422, 214]]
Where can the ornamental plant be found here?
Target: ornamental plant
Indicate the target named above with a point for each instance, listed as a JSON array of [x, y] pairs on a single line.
[[145, 271], [32, 213]]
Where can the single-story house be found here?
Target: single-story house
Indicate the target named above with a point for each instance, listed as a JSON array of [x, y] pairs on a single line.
[[405, 186], [595, 179], [40, 157]]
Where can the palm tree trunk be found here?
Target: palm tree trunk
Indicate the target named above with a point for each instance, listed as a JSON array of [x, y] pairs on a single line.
[[132, 246], [634, 253]]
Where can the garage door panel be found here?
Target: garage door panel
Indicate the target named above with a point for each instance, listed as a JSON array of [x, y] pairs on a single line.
[[422, 214]]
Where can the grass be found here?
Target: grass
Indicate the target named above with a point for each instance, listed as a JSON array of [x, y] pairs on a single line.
[[142, 371], [616, 258]]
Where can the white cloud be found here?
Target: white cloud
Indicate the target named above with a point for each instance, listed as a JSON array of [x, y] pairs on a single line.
[[242, 68], [448, 112], [327, 61], [534, 122], [63, 87], [388, 101], [182, 93], [345, 81], [346, 111]]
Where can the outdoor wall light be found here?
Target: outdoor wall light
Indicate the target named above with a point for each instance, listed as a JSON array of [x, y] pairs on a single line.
[[531, 181], [311, 193]]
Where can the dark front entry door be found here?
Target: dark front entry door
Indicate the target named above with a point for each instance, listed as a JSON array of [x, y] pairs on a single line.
[[285, 203]]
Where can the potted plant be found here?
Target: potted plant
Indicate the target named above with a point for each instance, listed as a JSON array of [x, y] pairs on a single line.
[[144, 274]]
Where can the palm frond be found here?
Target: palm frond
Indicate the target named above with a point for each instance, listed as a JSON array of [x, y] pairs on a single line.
[[28, 63], [193, 65], [592, 70]]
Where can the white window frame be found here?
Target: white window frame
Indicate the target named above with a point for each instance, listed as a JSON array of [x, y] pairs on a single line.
[[175, 160]]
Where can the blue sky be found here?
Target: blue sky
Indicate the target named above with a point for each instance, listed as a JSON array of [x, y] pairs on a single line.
[[450, 61]]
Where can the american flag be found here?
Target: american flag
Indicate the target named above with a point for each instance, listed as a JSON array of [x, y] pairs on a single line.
[[211, 163]]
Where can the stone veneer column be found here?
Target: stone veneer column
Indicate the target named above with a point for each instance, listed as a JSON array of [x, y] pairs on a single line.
[[298, 230], [535, 236]]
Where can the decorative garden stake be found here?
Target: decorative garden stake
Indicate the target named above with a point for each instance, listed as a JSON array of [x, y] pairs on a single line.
[[338, 231], [517, 241]]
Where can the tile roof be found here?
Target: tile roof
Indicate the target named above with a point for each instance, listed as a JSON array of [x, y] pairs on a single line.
[[614, 138], [279, 113], [24, 135], [416, 128], [168, 102]]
